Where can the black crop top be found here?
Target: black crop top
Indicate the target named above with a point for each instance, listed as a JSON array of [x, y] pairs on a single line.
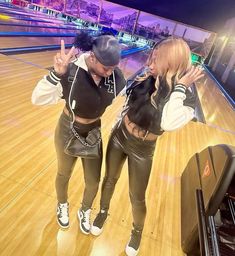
[[141, 111], [91, 100]]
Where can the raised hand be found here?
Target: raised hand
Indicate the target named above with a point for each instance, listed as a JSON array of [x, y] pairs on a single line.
[[61, 60], [191, 76]]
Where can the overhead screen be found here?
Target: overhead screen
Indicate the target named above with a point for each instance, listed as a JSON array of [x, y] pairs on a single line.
[[153, 27], [132, 21], [200, 41], [90, 10], [72, 7], [118, 17], [53, 4]]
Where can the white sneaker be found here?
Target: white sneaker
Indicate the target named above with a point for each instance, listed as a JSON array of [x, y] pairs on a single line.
[[132, 248], [63, 215], [98, 224], [84, 219], [131, 251]]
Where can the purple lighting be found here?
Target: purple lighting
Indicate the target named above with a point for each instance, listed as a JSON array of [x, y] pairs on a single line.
[[53, 4], [118, 17]]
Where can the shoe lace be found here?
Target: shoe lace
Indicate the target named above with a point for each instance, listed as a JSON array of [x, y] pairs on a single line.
[[86, 215], [135, 239], [100, 218], [63, 209]]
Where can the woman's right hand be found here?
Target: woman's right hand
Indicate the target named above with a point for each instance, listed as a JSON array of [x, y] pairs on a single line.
[[61, 60], [191, 76]]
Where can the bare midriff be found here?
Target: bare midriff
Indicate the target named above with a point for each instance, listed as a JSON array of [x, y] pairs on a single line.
[[81, 119], [135, 130]]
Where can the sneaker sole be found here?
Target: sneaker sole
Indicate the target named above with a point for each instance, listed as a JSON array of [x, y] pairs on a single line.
[[131, 251], [83, 231], [96, 231], [64, 227]]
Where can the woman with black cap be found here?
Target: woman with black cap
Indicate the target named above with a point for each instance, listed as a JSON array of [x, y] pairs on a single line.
[[96, 81]]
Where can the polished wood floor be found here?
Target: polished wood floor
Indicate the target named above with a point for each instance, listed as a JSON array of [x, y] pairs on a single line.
[[29, 41], [28, 168], [217, 111]]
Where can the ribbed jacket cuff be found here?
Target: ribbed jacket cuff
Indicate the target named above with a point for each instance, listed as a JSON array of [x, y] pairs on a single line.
[[53, 78], [180, 88]]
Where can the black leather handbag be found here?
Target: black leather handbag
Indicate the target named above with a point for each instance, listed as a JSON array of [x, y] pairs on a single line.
[[78, 146]]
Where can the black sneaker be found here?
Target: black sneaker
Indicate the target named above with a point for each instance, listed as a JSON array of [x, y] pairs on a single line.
[[133, 245], [84, 218], [63, 215], [98, 224]]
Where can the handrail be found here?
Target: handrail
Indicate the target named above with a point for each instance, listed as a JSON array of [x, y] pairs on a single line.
[[227, 96]]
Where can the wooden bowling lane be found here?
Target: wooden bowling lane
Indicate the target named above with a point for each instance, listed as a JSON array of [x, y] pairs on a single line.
[[133, 63], [17, 114], [42, 59], [45, 29], [217, 110], [29, 16], [129, 65], [27, 200], [13, 42], [28, 168]]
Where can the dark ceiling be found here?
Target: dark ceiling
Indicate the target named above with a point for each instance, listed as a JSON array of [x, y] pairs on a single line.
[[207, 14]]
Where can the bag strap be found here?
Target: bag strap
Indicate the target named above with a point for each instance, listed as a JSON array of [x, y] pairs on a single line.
[[82, 140], [114, 86], [72, 104]]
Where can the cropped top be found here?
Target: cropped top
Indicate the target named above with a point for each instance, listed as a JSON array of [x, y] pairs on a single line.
[[171, 110], [88, 99]]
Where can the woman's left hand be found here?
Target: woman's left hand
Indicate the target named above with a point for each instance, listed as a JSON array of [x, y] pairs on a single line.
[[191, 76]]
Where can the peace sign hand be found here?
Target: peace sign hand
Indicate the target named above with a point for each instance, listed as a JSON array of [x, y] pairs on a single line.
[[61, 60], [191, 76]]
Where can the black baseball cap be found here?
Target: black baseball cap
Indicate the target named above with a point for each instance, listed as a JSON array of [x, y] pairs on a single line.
[[107, 50]]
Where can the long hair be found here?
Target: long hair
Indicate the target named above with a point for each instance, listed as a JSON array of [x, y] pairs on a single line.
[[172, 60]]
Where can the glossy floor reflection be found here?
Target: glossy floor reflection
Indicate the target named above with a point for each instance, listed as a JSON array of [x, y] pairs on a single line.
[[28, 167]]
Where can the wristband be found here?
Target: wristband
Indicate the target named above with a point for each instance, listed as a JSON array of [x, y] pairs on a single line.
[[180, 88]]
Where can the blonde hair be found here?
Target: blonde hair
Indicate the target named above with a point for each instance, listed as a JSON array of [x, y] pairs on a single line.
[[172, 59]]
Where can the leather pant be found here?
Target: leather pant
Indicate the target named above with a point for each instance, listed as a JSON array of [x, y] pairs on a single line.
[[66, 163], [139, 154]]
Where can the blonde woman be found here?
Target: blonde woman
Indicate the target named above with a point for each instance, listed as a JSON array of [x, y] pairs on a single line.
[[159, 101]]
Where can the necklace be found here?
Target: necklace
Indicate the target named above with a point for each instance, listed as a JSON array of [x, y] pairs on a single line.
[[96, 78]]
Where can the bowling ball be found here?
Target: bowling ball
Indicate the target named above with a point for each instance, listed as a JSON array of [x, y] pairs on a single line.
[[4, 17]]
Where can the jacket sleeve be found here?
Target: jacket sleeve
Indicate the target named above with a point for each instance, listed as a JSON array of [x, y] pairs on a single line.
[[47, 91], [175, 114]]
